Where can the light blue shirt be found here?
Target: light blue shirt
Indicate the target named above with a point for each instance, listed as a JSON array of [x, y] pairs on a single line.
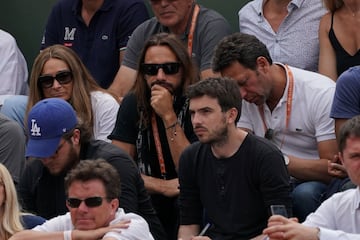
[[296, 42], [338, 217]]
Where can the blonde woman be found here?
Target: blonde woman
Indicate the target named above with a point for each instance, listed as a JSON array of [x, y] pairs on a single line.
[[10, 222], [59, 72], [339, 37]]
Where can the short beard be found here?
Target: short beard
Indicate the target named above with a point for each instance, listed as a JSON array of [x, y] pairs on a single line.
[[73, 160]]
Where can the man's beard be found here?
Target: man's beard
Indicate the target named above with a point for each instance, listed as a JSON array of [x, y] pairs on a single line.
[[72, 160], [164, 84]]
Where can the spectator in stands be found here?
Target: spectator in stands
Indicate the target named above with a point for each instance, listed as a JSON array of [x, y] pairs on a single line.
[[337, 217], [11, 219], [290, 107], [339, 37], [289, 29], [59, 72], [57, 142], [97, 30], [229, 176], [153, 125], [13, 68], [92, 189], [12, 147], [198, 27]]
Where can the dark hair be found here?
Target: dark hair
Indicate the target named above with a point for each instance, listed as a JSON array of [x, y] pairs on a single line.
[[189, 72], [351, 128], [224, 90], [85, 133], [95, 169], [240, 47]]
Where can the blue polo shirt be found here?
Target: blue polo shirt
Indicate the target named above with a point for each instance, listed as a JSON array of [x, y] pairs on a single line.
[[98, 44]]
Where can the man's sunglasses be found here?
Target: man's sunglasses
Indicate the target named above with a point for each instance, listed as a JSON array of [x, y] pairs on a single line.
[[152, 68], [89, 202], [62, 77], [158, 1]]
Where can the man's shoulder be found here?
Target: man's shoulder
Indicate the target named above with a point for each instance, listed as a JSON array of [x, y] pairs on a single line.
[[101, 149], [259, 144], [250, 8], [311, 79], [349, 77], [208, 13], [147, 28]]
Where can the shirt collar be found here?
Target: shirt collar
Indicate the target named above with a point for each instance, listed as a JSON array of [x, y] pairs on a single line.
[[260, 5], [76, 8]]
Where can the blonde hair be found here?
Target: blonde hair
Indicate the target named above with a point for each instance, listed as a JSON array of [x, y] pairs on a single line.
[[333, 5], [83, 82], [10, 210]]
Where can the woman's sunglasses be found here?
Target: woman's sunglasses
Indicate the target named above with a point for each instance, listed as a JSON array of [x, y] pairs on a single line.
[[62, 77], [152, 68]]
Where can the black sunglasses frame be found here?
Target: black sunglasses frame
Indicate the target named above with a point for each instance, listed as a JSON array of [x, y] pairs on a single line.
[[152, 69], [90, 202], [62, 77]]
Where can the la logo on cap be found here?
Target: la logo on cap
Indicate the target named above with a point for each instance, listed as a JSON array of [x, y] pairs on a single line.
[[35, 130]]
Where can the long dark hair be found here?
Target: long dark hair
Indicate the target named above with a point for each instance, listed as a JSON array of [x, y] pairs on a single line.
[[189, 72]]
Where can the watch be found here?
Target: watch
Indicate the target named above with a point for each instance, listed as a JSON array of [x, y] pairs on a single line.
[[286, 160]]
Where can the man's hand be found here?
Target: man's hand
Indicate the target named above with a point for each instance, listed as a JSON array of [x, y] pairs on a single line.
[[161, 101], [281, 228], [336, 169]]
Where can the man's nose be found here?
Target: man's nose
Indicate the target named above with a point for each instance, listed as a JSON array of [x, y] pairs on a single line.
[[160, 74]]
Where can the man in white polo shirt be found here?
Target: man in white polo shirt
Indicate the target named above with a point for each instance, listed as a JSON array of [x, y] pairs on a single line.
[[288, 106]]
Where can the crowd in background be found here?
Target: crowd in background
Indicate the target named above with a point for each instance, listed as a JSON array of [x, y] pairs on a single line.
[[207, 129]]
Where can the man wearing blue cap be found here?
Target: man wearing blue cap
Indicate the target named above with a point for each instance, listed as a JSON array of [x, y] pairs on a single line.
[[57, 142]]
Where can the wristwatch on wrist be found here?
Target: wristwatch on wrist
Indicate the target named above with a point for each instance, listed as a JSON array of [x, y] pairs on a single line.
[[286, 160]]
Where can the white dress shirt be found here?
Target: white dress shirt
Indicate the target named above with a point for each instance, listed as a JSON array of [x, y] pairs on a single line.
[[338, 217]]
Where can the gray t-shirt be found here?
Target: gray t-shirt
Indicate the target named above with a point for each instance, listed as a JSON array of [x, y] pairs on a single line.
[[211, 27]]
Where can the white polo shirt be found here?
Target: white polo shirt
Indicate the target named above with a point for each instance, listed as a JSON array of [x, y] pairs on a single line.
[[309, 121]]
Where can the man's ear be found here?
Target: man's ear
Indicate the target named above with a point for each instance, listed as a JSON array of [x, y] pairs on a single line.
[[114, 204], [76, 137], [262, 64], [232, 114], [341, 158]]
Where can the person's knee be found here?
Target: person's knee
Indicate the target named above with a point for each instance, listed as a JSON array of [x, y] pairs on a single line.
[[307, 198], [308, 191]]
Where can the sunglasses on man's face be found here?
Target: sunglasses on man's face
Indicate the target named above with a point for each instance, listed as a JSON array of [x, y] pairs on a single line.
[[153, 68], [89, 202], [158, 1], [62, 77]]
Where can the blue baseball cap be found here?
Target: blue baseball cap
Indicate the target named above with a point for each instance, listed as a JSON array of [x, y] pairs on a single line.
[[48, 120]]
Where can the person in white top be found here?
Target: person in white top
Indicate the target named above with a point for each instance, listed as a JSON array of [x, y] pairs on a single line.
[[338, 217], [13, 68], [92, 189], [59, 72], [288, 106]]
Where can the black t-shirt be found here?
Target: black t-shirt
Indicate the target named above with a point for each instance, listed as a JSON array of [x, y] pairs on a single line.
[[235, 192]]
